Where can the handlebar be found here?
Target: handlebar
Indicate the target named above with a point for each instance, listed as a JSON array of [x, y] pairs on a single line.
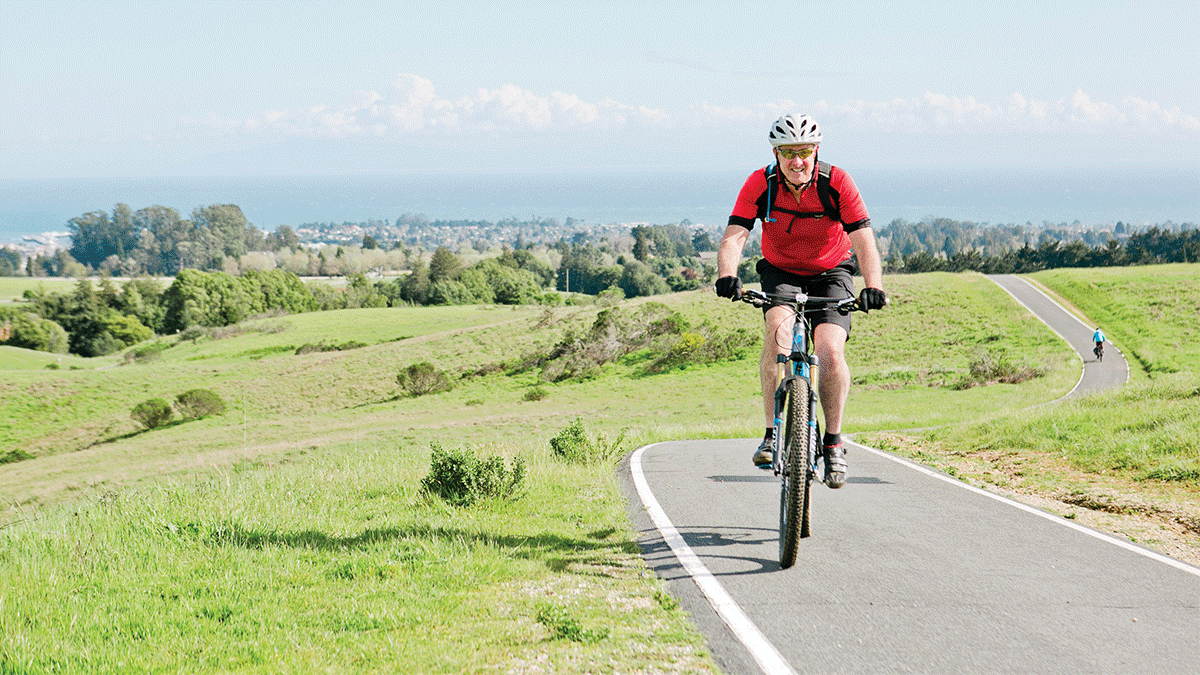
[[801, 300]]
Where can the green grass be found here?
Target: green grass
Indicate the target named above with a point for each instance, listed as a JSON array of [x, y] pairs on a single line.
[[290, 535], [13, 289], [1151, 313]]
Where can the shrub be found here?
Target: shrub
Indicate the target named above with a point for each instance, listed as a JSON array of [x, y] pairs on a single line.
[[705, 344], [423, 378], [996, 366], [14, 456], [198, 403], [146, 353], [29, 331], [152, 413], [536, 394], [562, 625], [322, 346], [573, 445], [461, 478]]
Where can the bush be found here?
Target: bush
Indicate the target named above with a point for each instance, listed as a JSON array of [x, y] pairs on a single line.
[[996, 366], [613, 334], [562, 625], [705, 344], [535, 394], [146, 353], [153, 413], [461, 478], [423, 378], [199, 403], [29, 331], [573, 445], [322, 346], [14, 456]]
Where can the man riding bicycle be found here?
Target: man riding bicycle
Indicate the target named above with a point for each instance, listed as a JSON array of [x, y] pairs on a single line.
[[1098, 338], [805, 248]]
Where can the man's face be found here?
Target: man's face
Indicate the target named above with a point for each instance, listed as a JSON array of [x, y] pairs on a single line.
[[797, 161]]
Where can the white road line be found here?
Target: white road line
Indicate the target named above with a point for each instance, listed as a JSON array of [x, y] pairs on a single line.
[[764, 653], [768, 658], [1129, 546]]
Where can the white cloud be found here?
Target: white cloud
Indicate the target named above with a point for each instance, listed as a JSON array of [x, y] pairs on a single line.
[[945, 113], [412, 106]]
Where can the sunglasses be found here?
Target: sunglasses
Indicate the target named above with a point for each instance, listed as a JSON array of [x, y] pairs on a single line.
[[793, 153]]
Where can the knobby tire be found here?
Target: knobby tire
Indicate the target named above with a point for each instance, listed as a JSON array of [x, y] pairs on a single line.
[[796, 478]]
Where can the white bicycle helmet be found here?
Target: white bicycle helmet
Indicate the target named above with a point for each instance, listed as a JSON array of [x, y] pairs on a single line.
[[793, 129]]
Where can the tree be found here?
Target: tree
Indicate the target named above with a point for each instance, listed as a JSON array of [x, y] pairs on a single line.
[[95, 237], [224, 226], [10, 262], [205, 299], [29, 331], [162, 232], [444, 265], [283, 237]]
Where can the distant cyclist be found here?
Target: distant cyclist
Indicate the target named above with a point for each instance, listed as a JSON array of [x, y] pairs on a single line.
[[806, 247], [1099, 339]]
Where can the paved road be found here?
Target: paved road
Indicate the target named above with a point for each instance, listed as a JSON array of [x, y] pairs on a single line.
[[1097, 375], [932, 576]]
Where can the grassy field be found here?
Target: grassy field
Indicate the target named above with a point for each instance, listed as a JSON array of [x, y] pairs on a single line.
[[290, 534]]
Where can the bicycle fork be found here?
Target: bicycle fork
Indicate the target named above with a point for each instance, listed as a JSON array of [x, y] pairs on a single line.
[[784, 375]]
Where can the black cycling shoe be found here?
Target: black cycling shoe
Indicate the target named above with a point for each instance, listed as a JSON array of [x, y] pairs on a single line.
[[763, 456], [835, 465]]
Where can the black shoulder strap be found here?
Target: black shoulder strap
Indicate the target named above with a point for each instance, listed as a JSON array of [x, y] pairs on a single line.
[[828, 197]]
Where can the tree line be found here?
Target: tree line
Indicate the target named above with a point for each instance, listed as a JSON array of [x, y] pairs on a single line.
[[225, 270], [952, 246]]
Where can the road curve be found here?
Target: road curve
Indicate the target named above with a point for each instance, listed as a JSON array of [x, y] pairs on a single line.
[[1097, 375], [908, 570]]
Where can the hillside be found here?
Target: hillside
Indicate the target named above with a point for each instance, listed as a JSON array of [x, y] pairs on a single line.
[[297, 516]]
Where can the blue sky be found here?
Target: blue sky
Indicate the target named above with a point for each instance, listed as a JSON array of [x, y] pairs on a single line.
[[131, 89]]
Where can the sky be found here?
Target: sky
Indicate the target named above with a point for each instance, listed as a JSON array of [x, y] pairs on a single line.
[[269, 88]]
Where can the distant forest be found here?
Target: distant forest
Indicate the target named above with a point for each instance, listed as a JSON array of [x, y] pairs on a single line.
[[158, 241], [944, 245], [223, 270]]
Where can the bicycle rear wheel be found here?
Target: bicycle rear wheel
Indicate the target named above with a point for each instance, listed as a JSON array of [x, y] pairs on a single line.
[[796, 477]]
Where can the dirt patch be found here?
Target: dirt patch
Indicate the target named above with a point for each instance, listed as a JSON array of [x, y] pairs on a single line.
[[1160, 516]]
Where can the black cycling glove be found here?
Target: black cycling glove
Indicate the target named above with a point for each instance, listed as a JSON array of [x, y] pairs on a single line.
[[872, 298], [730, 287]]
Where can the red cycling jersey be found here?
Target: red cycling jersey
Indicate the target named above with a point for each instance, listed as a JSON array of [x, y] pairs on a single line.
[[801, 239]]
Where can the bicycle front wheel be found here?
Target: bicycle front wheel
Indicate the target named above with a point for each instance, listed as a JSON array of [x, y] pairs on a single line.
[[796, 477]]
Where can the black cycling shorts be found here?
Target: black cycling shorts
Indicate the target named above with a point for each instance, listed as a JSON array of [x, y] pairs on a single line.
[[834, 283]]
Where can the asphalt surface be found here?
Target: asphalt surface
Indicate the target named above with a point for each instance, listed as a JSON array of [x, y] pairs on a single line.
[[908, 570]]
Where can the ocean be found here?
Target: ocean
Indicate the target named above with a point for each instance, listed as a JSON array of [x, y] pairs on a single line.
[[1151, 196]]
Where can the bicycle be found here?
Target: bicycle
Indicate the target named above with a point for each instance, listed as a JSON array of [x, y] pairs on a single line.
[[1098, 350], [797, 432]]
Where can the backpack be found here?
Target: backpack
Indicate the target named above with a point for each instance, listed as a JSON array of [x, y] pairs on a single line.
[[828, 196]]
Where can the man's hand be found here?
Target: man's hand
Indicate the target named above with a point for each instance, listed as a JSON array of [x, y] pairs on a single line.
[[871, 298], [730, 287]]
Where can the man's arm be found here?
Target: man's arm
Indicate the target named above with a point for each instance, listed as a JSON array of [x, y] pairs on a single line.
[[870, 264], [729, 254]]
